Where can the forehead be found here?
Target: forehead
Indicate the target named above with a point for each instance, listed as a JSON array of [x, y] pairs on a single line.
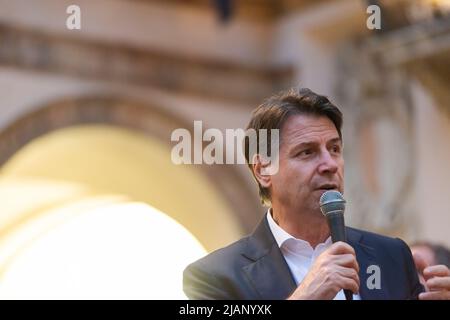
[[308, 128]]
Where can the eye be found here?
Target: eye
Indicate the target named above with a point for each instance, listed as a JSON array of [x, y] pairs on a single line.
[[336, 148], [305, 152]]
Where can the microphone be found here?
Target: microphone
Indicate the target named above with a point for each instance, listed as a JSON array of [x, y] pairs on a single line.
[[332, 205]]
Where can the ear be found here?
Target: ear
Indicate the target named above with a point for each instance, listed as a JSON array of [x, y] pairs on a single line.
[[261, 171]]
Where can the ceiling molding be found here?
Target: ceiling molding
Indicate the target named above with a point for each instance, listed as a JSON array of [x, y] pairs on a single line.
[[259, 10], [172, 71]]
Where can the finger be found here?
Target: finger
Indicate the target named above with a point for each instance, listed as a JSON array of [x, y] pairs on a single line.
[[423, 281], [349, 273], [349, 284], [436, 271], [438, 283], [341, 248], [435, 295], [420, 262], [346, 260]]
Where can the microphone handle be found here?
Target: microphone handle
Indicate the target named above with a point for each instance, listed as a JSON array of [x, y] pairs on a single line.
[[337, 226], [337, 229], [348, 294]]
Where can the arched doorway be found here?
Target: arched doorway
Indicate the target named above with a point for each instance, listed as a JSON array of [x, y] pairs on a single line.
[[90, 170]]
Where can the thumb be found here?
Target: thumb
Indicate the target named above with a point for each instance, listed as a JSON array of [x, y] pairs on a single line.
[[420, 263]]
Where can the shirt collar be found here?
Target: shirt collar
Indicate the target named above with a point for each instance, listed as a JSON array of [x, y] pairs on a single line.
[[281, 236]]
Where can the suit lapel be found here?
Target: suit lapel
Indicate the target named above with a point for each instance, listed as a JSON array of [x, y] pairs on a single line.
[[269, 272], [366, 256]]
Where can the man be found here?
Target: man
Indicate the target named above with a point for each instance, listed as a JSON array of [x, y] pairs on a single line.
[[290, 254]]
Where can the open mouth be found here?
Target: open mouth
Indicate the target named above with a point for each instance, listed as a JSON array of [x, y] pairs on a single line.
[[326, 187]]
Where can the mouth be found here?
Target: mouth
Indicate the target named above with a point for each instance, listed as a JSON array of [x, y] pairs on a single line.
[[328, 186]]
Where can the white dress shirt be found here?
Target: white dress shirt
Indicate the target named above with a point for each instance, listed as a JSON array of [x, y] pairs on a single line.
[[299, 254]]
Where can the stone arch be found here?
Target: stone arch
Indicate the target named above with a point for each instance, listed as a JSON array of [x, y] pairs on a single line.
[[126, 113]]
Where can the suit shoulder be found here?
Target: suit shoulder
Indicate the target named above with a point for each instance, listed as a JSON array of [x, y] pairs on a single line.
[[368, 235], [376, 240]]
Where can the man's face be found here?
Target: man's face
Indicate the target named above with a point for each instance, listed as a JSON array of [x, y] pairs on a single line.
[[310, 163]]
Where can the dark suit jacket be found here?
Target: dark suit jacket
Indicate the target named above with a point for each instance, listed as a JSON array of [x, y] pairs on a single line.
[[254, 268]]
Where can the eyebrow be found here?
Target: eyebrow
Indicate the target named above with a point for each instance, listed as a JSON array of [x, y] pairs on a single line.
[[337, 139], [312, 143]]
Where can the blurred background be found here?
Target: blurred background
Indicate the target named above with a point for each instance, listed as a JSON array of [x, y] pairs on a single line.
[[91, 205]]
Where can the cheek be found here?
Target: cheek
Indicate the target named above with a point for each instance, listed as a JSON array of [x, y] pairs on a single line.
[[341, 167], [285, 176], [300, 175]]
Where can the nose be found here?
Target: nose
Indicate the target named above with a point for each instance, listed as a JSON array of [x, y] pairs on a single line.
[[328, 163]]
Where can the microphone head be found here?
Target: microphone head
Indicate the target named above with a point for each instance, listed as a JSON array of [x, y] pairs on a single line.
[[331, 201]]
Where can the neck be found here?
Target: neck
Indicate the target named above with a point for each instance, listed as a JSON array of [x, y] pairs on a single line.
[[308, 226]]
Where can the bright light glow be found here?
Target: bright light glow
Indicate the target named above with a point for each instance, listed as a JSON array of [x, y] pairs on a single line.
[[442, 3], [107, 251]]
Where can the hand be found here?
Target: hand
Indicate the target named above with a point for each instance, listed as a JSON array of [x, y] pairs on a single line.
[[437, 283], [436, 280], [335, 269]]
